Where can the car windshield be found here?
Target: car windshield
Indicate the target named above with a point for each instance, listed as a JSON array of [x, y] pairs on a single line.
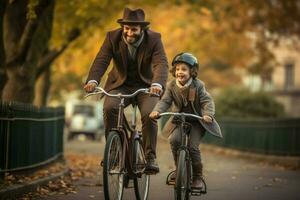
[[84, 110]]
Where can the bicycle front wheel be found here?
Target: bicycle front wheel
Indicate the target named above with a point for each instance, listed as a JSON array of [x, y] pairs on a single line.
[[142, 180], [183, 178], [113, 175]]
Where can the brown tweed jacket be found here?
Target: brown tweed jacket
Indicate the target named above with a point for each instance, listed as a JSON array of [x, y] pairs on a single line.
[[151, 57], [202, 104]]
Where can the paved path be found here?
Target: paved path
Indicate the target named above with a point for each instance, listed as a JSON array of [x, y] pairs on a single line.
[[227, 177]]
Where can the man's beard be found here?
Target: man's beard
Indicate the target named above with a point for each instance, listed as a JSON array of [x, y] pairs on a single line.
[[133, 39]]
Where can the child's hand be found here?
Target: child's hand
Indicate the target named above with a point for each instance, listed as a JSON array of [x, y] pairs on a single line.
[[207, 119], [154, 115]]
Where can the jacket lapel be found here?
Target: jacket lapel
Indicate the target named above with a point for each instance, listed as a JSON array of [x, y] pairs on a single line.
[[124, 54], [192, 93], [177, 97], [141, 51]]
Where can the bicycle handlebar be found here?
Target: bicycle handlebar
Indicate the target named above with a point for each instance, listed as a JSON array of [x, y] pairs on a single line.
[[99, 90], [180, 114]]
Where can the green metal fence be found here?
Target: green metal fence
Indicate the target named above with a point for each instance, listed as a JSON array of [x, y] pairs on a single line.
[[276, 136], [266, 136], [29, 136]]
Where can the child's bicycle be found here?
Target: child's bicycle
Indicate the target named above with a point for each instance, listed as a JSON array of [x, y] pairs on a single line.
[[124, 157], [182, 184]]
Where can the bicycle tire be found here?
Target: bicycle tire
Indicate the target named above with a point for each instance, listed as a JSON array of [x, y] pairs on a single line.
[[183, 178], [142, 181], [113, 176]]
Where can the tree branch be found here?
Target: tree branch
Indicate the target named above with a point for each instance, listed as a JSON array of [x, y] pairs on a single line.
[[27, 35], [50, 56]]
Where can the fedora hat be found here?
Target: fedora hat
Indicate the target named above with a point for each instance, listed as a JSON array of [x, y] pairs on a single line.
[[133, 17]]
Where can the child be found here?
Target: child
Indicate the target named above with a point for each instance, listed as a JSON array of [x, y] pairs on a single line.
[[188, 95]]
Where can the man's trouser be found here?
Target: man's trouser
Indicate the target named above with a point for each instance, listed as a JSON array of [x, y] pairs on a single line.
[[145, 104]]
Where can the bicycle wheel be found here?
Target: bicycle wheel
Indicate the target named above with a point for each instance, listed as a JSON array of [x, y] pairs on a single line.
[[142, 180], [113, 176], [183, 177]]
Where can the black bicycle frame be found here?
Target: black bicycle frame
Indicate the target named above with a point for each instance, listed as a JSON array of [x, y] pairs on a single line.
[[126, 163], [184, 135]]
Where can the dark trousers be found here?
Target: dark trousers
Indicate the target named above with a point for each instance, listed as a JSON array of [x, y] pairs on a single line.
[[196, 133], [145, 104]]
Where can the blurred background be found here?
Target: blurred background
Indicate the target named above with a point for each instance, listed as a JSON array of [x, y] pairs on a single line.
[[248, 52], [240, 44]]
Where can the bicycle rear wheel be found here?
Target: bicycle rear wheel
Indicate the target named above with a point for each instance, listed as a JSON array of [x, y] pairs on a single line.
[[113, 175], [142, 180], [183, 178]]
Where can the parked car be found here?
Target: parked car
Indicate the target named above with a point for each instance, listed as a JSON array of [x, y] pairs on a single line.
[[84, 117]]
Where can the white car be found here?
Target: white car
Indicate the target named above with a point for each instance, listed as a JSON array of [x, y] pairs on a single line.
[[84, 117]]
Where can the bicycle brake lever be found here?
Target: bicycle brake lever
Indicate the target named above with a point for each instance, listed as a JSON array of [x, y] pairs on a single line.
[[154, 95], [93, 93]]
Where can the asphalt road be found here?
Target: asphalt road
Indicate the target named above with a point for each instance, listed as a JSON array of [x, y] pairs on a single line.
[[227, 177]]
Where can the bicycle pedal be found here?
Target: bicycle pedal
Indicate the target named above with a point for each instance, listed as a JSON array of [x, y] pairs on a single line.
[[129, 184], [170, 182], [197, 192], [150, 171]]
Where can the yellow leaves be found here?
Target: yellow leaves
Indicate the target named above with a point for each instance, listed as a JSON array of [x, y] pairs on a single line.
[[205, 11], [31, 12], [183, 27], [83, 165], [10, 179]]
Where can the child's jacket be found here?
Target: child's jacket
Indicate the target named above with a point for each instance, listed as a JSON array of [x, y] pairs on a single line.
[[201, 101]]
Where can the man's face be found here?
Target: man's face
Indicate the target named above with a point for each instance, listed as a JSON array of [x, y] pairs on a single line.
[[132, 33]]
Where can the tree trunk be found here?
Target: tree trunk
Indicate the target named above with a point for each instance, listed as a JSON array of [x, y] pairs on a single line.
[[43, 72], [25, 41], [19, 86], [42, 87], [3, 76]]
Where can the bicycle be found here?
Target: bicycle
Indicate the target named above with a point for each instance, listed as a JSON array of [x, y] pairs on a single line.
[[182, 185], [124, 157]]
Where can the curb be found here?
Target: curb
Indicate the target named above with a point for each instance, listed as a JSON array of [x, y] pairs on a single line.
[[291, 162], [15, 191]]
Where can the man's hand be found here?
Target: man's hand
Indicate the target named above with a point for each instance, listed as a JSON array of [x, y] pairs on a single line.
[[207, 119], [90, 87], [154, 115], [155, 91]]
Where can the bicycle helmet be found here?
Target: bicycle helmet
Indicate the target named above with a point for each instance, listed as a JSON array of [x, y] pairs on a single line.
[[186, 58]]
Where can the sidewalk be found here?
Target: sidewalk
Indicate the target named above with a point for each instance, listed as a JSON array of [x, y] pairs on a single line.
[[51, 176], [290, 162], [59, 179]]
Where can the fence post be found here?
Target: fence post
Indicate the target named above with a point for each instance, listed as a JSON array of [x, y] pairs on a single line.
[[23, 148], [5, 133]]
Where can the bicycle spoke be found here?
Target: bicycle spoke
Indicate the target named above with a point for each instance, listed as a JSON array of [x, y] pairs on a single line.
[[141, 182], [112, 173], [182, 179]]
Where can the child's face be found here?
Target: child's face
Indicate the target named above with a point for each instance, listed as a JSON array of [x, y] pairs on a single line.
[[182, 73]]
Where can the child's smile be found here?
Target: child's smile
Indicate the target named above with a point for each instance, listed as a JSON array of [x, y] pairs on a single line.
[[182, 73]]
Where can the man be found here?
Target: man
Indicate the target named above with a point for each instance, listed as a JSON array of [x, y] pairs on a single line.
[[139, 61]]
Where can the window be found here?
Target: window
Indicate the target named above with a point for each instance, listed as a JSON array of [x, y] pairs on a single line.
[[289, 76], [84, 110]]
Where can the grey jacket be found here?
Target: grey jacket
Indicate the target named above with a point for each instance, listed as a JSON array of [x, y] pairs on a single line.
[[202, 104]]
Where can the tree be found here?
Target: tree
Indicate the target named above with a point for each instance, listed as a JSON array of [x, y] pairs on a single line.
[[27, 33], [3, 76], [43, 74], [24, 43], [266, 21]]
